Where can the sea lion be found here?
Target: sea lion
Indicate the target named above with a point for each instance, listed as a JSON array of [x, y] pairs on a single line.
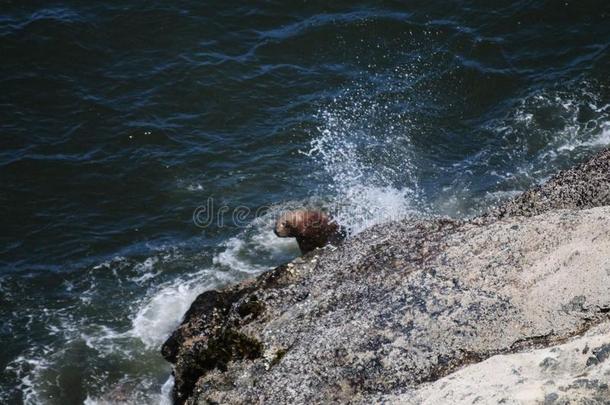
[[313, 229]]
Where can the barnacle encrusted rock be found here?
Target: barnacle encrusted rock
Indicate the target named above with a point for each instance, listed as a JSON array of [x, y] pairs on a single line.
[[402, 306]]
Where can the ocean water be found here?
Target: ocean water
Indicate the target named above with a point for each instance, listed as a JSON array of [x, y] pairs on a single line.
[[125, 123]]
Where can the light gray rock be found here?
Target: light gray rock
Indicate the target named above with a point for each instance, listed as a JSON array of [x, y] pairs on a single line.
[[560, 374], [406, 304]]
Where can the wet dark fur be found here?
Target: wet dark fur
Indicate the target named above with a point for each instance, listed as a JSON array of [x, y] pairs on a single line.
[[312, 229]]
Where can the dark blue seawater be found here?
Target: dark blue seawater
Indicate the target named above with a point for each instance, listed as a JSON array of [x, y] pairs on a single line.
[[119, 119]]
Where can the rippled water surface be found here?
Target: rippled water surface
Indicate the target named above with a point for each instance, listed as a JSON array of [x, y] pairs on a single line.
[[119, 119]]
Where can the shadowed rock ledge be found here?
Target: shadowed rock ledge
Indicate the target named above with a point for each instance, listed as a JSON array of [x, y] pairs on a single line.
[[392, 314]]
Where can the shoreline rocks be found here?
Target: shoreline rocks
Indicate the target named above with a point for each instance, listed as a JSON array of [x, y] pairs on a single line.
[[404, 305], [583, 186]]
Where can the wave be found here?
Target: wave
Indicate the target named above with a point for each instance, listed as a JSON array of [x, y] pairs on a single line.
[[154, 299]]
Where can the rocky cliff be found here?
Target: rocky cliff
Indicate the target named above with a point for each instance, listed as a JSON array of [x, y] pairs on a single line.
[[511, 306]]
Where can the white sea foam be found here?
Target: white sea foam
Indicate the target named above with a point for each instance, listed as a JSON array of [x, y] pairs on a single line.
[[550, 126], [194, 187], [255, 249], [107, 341], [165, 398], [600, 140], [146, 270], [252, 251], [27, 368], [266, 241], [127, 392], [233, 256], [161, 313], [147, 265]]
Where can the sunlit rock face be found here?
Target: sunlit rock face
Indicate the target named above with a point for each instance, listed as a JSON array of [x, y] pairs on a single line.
[[405, 309]]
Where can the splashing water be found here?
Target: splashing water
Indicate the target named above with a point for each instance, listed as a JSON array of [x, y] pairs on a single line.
[[364, 148]]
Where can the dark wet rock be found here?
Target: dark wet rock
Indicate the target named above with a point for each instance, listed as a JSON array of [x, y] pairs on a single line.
[[599, 355], [551, 398], [592, 361], [549, 363], [402, 306], [602, 353]]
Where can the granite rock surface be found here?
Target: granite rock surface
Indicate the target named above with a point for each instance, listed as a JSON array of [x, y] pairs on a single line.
[[407, 310]]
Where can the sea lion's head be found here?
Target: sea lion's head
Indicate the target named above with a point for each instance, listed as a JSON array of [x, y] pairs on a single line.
[[289, 223]]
